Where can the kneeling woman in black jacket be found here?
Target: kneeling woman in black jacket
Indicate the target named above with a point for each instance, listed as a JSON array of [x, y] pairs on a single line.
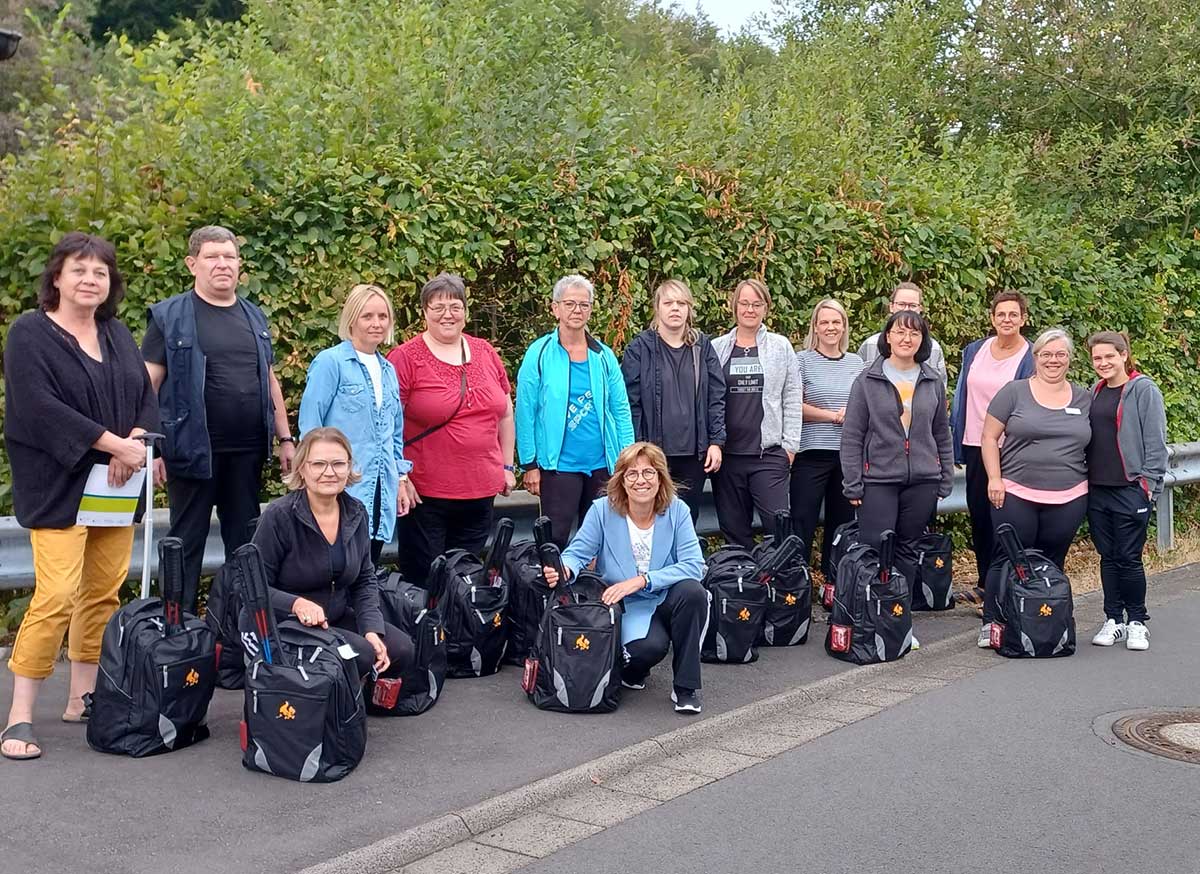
[[316, 549], [897, 456]]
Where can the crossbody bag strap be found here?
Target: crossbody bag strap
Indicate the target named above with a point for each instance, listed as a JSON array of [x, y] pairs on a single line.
[[462, 395]]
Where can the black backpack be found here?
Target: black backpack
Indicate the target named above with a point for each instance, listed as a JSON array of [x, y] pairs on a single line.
[[1035, 612], [737, 607], [221, 614], [304, 717], [871, 619], [575, 665], [789, 607], [528, 598], [932, 589], [845, 536], [408, 608], [473, 612], [157, 671]]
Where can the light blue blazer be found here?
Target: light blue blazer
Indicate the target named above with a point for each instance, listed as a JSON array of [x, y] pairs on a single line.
[[674, 556]]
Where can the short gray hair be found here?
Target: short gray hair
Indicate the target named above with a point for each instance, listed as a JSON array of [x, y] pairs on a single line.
[[574, 280], [1049, 336], [211, 234]]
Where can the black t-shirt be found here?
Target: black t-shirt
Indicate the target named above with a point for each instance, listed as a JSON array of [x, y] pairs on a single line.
[[232, 398], [743, 402], [678, 399], [1103, 456]]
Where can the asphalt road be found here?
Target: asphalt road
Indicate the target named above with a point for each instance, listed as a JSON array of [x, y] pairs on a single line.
[[198, 811], [1004, 771]]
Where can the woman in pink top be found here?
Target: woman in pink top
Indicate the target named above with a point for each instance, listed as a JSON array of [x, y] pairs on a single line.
[[987, 366], [458, 430]]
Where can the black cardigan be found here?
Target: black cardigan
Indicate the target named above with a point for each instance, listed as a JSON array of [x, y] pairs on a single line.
[[54, 413], [296, 560]]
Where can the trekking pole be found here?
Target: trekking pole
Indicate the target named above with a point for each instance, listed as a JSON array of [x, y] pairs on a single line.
[[148, 438]]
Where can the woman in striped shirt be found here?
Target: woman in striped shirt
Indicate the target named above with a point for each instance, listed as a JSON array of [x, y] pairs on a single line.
[[827, 371]]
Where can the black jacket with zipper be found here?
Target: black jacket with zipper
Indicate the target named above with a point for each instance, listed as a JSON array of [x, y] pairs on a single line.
[[642, 367], [296, 560], [875, 448]]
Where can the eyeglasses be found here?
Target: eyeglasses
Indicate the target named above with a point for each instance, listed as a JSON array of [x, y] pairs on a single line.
[[904, 335], [752, 305], [574, 306], [1054, 356], [456, 309], [649, 475], [907, 305], [320, 467]]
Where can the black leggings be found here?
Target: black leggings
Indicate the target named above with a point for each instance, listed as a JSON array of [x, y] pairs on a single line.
[[817, 478], [566, 498], [904, 509], [679, 622], [746, 483], [1048, 528], [400, 648], [980, 510]]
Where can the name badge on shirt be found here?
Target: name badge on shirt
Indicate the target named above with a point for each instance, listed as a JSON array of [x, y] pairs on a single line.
[[1072, 411]]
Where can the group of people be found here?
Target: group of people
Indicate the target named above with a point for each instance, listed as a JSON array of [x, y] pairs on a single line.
[[417, 443]]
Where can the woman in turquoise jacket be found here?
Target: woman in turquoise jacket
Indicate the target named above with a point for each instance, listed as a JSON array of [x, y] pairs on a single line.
[[353, 388], [646, 550], [572, 411]]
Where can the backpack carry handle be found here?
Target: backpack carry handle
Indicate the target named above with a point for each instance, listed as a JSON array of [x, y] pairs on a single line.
[[543, 531], [887, 552], [778, 559], [1014, 550], [170, 580], [435, 582], [494, 563], [552, 558], [783, 526], [249, 573], [149, 438]]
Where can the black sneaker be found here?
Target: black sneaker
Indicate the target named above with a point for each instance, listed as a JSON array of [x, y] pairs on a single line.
[[630, 684], [686, 700]]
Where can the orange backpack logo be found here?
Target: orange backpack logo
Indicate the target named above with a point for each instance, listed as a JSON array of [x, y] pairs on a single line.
[[939, 563], [496, 620], [192, 678], [897, 610], [744, 614], [1046, 611], [286, 711], [582, 643], [789, 599]]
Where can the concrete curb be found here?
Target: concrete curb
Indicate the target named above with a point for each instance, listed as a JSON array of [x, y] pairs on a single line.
[[410, 845]]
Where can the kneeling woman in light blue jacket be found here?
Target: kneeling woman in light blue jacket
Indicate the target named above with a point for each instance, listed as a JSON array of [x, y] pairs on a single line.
[[645, 547]]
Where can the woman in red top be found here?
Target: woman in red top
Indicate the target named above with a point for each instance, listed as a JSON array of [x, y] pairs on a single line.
[[458, 430]]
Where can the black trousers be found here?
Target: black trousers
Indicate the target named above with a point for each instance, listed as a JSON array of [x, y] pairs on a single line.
[[746, 483], [233, 492], [679, 623], [1048, 528], [566, 498], [817, 479], [904, 509], [688, 473], [401, 650], [377, 545], [1118, 519], [980, 510], [436, 525]]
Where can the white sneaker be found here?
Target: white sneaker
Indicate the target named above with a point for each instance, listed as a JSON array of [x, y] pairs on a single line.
[[985, 636], [1139, 637], [1110, 632], [915, 645]]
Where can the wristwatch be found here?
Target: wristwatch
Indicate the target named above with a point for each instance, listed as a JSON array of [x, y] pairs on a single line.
[[286, 439], [646, 577], [511, 468]]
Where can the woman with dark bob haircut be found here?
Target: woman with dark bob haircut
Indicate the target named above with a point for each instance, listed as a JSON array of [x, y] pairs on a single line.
[[897, 458], [77, 396]]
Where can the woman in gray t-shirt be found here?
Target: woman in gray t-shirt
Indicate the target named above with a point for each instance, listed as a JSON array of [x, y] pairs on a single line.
[[1034, 446]]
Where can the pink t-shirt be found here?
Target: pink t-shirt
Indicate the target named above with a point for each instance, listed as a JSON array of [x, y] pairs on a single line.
[[986, 377]]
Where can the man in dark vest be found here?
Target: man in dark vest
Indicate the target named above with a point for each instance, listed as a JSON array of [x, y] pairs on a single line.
[[209, 356]]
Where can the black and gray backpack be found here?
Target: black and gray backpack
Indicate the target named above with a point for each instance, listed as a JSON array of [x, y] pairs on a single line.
[[789, 608], [1035, 612], [845, 536], [871, 619], [221, 614], [575, 665], [414, 611], [528, 598], [932, 589], [157, 671], [739, 591], [474, 609]]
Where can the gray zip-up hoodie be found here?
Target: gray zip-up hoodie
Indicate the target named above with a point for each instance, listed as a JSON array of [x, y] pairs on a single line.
[[1142, 433], [875, 448], [782, 398]]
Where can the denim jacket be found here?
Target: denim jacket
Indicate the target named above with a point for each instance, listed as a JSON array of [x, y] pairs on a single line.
[[339, 395]]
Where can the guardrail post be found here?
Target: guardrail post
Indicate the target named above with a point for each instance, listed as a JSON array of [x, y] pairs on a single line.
[[1166, 520]]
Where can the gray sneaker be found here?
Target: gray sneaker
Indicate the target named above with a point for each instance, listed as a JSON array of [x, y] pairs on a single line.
[[686, 700]]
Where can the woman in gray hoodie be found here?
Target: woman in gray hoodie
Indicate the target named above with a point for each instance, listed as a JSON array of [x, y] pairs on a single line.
[[897, 455], [1127, 459]]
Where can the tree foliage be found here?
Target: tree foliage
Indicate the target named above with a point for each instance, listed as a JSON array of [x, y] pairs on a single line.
[[971, 146]]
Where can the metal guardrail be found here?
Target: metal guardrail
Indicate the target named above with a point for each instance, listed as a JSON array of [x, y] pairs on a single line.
[[16, 556]]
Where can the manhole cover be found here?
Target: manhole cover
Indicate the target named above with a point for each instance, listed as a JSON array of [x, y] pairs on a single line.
[[1174, 734]]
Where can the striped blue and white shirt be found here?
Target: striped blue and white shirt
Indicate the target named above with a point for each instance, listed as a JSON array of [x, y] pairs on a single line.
[[827, 383]]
